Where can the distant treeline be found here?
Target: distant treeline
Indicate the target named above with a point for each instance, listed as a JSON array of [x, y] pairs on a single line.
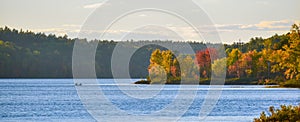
[[24, 54]]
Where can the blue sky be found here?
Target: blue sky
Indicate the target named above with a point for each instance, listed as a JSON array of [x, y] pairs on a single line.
[[234, 19]]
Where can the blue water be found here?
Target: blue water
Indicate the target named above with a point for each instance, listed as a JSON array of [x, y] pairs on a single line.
[[58, 100]]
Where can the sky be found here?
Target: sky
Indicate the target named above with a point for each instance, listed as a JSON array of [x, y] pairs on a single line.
[[234, 19]]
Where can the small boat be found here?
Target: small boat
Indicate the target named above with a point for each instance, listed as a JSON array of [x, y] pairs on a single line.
[[78, 84]]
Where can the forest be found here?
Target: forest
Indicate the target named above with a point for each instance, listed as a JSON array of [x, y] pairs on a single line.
[[25, 54], [270, 61]]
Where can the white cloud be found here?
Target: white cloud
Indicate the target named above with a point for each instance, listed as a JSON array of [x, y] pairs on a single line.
[[56, 31], [69, 29], [246, 26], [273, 24], [71, 25], [270, 27], [280, 25], [142, 15], [95, 5]]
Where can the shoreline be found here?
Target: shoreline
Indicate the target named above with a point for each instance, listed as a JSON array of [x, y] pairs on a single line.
[[230, 82]]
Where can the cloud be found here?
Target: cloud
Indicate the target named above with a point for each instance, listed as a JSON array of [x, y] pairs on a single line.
[[142, 15], [71, 25], [270, 27], [280, 25], [95, 5], [246, 26], [273, 24], [69, 29], [56, 31]]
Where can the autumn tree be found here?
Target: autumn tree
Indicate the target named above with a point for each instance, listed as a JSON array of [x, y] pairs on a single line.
[[290, 60], [204, 59], [167, 60], [219, 67], [233, 63], [156, 57], [162, 66], [175, 69]]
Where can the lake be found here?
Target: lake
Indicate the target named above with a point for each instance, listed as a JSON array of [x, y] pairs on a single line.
[[58, 100]]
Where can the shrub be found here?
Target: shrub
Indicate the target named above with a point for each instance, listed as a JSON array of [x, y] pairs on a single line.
[[285, 114], [291, 83]]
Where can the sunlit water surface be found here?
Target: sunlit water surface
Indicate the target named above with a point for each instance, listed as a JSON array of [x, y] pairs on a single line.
[[58, 100]]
